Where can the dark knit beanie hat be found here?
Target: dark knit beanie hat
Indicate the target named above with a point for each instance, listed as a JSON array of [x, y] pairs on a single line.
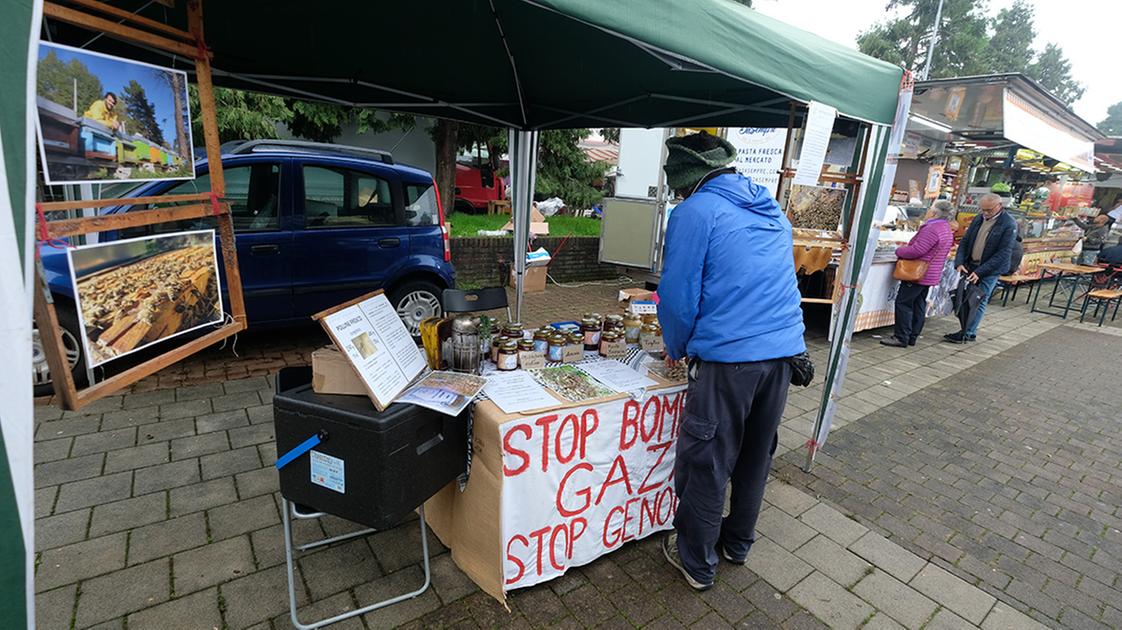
[[689, 158]]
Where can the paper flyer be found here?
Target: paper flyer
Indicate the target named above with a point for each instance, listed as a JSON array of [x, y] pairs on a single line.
[[517, 392], [617, 376], [816, 139], [446, 392]]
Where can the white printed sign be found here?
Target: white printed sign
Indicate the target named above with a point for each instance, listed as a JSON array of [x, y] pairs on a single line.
[[816, 139], [328, 471], [759, 154], [581, 482]]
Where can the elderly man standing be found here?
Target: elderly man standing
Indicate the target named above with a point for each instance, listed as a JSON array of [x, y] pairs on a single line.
[[730, 302], [983, 255]]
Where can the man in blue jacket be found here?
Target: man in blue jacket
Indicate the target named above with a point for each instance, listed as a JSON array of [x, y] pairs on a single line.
[[983, 255], [729, 301]]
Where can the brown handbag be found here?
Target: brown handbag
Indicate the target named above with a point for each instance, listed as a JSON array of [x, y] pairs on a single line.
[[910, 270]]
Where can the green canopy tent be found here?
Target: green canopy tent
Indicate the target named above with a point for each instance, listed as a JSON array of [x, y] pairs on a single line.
[[18, 31], [530, 65]]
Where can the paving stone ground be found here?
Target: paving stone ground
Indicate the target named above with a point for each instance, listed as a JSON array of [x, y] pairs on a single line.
[[1005, 475], [159, 509]]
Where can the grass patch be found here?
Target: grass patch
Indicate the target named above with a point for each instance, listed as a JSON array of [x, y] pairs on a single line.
[[469, 224]]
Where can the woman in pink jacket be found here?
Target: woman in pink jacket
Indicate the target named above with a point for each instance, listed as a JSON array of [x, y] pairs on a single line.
[[932, 244]]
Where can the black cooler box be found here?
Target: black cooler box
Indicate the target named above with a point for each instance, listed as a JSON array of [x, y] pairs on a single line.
[[372, 468]]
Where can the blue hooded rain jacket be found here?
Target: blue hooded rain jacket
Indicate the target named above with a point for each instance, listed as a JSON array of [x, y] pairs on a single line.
[[728, 292]]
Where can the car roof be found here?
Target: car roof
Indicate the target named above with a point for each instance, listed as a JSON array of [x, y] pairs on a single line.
[[404, 171]]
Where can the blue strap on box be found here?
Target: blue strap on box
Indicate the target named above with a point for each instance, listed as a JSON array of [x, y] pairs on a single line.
[[300, 449]]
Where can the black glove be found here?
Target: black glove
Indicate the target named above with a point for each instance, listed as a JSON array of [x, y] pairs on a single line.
[[802, 369]]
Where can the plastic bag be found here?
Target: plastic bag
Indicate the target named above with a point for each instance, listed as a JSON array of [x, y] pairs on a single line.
[[551, 206]]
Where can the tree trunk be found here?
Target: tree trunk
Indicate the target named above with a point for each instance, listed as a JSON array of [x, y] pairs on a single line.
[[447, 143], [177, 89]]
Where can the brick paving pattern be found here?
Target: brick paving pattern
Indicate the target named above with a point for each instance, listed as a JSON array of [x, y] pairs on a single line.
[[1005, 475], [159, 509]]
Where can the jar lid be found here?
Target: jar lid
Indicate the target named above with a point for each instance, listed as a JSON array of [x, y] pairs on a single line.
[[525, 344], [558, 338], [589, 321], [543, 333], [576, 338], [512, 326], [610, 335], [510, 344], [614, 318]]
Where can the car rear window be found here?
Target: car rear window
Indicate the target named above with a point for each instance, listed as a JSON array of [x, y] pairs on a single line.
[[336, 197], [420, 205]]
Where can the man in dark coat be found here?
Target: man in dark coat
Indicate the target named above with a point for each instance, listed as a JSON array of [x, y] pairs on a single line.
[[983, 255]]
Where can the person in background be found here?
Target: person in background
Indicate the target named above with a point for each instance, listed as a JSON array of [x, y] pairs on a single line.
[[1111, 255], [983, 255], [729, 300], [1095, 233], [101, 110], [931, 244]]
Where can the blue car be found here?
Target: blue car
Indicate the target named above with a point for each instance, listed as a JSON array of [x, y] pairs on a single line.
[[316, 225]]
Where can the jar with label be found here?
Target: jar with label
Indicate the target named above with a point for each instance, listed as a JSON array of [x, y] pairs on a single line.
[[512, 330], [651, 340], [496, 343], [632, 326], [611, 343], [576, 340], [541, 340], [556, 350], [508, 356], [590, 329], [613, 322]]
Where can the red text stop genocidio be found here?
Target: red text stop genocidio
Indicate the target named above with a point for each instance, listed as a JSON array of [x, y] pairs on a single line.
[[607, 489]]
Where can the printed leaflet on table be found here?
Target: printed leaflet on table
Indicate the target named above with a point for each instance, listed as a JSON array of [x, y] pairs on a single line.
[[517, 392], [616, 375], [446, 392]]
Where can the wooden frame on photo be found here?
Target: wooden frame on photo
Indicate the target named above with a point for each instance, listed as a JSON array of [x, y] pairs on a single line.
[[140, 30]]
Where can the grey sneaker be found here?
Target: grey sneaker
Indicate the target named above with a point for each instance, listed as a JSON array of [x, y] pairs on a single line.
[[728, 556], [670, 550]]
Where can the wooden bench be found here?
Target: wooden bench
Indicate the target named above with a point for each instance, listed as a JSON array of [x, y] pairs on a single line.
[[1015, 280], [500, 206], [1102, 298]]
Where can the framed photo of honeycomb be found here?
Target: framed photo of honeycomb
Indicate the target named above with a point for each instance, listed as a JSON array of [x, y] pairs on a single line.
[[136, 292]]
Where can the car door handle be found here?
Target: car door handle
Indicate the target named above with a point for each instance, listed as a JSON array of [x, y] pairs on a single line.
[[264, 250], [389, 242]]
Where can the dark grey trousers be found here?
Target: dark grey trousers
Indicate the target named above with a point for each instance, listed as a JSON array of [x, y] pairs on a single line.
[[728, 433]]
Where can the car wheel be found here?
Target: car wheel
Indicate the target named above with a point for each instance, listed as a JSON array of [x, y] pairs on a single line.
[[71, 345], [414, 302]]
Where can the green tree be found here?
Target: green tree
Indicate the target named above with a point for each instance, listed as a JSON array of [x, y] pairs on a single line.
[[610, 134], [1053, 71], [241, 115], [323, 122], [1010, 47], [56, 82], [904, 40], [1112, 124], [141, 113], [564, 170]]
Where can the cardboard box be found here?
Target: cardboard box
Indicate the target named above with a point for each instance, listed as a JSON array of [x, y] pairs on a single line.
[[333, 374], [538, 226], [533, 281], [626, 295]]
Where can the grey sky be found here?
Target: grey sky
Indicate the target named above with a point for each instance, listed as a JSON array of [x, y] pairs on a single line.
[[1085, 29]]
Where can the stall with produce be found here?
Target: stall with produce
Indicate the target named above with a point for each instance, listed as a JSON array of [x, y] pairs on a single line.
[[975, 135], [675, 77]]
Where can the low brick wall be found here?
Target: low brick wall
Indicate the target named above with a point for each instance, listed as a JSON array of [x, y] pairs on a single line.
[[483, 260]]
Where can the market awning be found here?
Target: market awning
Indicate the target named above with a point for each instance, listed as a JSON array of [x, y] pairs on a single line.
[[999, 111], [531, 64]]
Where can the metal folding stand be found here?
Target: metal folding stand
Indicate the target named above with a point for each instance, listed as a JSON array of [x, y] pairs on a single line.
[[290, 512]]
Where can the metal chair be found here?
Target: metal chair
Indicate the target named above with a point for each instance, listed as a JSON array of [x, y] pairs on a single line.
[[291, 511], [475, 300]]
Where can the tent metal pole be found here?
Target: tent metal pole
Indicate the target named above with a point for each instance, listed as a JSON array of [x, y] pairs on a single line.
[[523, 164]]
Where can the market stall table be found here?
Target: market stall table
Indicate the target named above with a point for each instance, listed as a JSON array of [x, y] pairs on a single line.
[[1069, 278], [557, 488]]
